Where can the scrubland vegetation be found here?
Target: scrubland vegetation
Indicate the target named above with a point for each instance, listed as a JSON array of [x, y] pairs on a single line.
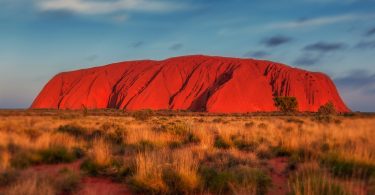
[[50, 152]]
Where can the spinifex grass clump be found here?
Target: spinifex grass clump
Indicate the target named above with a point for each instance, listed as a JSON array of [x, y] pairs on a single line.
[[165, 172], [223, 173], [347, 167], [52, 155], [221, 143]]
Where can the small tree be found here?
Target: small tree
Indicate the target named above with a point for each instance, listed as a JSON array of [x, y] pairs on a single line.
[[286, 104], [327, 109]]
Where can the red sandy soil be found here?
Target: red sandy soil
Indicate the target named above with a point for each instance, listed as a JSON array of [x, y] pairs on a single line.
[[194, 83], [279, 176], [102, 186], [88, 185]]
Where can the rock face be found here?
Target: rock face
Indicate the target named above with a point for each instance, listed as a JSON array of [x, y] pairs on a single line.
[[195, 83]]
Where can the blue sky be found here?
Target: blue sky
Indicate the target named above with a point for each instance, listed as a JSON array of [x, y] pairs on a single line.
[[39, 38]]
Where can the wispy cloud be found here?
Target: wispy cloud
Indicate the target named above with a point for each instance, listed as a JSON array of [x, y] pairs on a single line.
[[370, 32], [176, 46], [92, 57], [320, 21], [276, 41], [137, 44], [308, 59], [324, 47], [366, 45], [358, 88], [313, 54], [257, 54], [109, 6], [357, 79]]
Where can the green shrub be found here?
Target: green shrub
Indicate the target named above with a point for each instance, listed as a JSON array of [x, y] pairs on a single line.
[[223, 160], [117, 170], [56, 154], [92, 168], [286, 104], [179, 128], [175, 144], [72, 129], [224, 181], [241, 144], [327, 109], [113, 132], [175, 183], [191, 138], [216, 181], [52, 155], [143, 145], [221, 143]]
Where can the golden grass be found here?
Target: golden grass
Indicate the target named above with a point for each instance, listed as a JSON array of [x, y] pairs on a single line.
[[302, 138], [100, 152]]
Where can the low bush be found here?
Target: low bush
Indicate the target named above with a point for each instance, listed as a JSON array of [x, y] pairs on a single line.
[[57, 154], [244, 145], [286, 104], [223, 160], [92, 168], [51, 155], [176, 183], [191, 138], [143, 145], [327, 109], [116, 170], [72, 129], [221, 143]]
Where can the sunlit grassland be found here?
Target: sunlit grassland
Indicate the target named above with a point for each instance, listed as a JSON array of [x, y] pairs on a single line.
[[188, 153]]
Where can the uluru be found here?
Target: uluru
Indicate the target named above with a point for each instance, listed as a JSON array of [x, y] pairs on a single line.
[[194, 83]]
